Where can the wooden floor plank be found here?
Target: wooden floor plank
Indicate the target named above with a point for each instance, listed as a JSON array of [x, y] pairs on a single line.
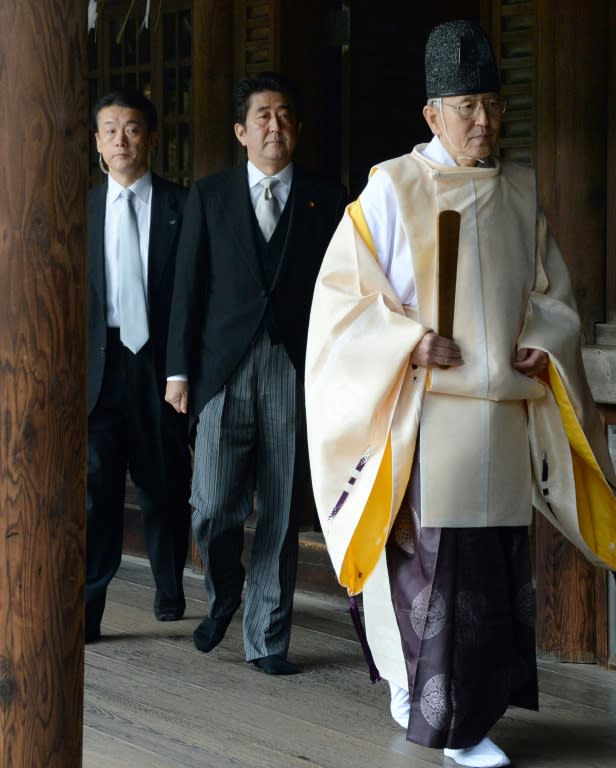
[[195, 724], [153, 701], [303, 696], [585, 684], [102, 750]]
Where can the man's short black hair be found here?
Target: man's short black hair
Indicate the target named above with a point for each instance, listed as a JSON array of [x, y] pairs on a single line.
[[264, 81], [127, 97]]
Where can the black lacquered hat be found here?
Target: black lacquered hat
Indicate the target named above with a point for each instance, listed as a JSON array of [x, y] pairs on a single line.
[[459, 60]]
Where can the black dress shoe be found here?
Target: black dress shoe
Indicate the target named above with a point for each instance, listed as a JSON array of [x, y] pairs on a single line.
[[210, 632], [169, 614], [168, 610], [276, 665]]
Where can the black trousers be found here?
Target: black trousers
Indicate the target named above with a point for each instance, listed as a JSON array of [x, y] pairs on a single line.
[[132, 428]]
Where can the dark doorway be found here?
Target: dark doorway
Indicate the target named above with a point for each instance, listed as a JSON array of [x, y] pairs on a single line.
[[385, 76]]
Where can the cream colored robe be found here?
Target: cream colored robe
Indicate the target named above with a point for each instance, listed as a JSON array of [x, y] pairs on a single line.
[[365, 401]]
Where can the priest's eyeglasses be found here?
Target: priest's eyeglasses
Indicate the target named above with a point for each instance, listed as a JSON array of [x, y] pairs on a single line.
[[468, 110]]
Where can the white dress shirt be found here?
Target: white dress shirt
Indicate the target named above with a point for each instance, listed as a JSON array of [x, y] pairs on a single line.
[[142, 203], [280, 191], [382, 213]]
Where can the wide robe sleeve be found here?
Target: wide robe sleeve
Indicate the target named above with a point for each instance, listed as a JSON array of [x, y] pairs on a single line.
[[574, 474], [363, 399]]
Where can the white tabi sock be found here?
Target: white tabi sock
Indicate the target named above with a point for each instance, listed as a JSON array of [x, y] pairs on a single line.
[[483, 755], [400, 705]]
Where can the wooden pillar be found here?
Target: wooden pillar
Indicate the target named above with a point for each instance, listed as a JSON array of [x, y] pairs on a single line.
[[43, 165]]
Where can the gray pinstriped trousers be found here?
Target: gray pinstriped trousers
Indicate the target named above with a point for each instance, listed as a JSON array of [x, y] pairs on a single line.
[[247, 443]]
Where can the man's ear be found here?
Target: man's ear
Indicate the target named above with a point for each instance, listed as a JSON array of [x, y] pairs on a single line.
[[433, 118], [240, 133], [153, 140]]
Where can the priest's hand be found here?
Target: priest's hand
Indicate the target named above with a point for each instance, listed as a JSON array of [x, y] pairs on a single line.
[[531, 362], [177, 395], [434, 350]]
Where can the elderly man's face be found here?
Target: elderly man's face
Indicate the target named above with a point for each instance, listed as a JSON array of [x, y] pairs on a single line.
[[468, 126]]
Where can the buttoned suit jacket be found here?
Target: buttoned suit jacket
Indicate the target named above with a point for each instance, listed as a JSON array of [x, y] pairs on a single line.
[[221, 296], [165, 223]]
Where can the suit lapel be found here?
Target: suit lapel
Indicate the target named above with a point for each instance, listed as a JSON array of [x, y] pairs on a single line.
[[163, 219], [239, 215], [299, 219], [96, 240]]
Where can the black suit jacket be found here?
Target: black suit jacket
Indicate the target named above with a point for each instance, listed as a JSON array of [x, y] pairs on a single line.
[[166, 219], [221, 296]]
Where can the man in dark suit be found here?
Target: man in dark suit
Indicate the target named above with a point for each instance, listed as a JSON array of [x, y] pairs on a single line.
[[134, 221], [251, 246]]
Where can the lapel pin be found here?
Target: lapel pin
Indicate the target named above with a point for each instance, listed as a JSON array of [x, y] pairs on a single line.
[[311, 204]]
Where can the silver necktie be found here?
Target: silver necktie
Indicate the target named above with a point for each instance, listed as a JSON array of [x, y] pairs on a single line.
[[267, 209], [133, 306]]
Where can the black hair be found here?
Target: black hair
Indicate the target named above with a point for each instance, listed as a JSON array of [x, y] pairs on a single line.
[[127, 98], [264, 81]]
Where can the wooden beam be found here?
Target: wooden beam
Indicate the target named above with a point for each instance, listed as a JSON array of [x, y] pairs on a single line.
[[43, 166]]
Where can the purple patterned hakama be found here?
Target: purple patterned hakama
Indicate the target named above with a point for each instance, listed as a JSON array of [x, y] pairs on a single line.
[[465, 607]]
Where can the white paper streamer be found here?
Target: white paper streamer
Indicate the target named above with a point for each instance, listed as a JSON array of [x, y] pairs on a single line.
[[146, 19], [92, 13]]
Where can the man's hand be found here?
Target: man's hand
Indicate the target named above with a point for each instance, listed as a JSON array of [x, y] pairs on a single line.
[[434, 350], [177, 395], [531, 362]]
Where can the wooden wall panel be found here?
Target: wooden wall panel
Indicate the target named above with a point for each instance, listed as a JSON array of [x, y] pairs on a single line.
[[566, 605], [571, 149], [553, 58], [213, 56], [513, 38], [257, 43]]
